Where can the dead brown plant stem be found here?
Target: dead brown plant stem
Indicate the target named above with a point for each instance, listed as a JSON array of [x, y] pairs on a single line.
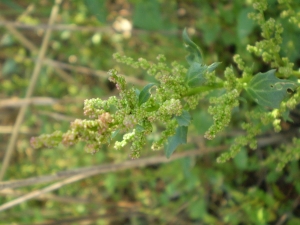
[[86, 70], [29, 92], [19, 102], [106, 168], [63, 27], [34, 49], [49, 196], [28, 44], [83, 173]]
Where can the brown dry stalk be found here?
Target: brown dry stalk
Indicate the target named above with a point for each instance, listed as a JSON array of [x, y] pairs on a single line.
[[100, 169], [82, 173], [35, 74]]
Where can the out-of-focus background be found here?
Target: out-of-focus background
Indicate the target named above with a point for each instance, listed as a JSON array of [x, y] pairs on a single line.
[[71, 65]]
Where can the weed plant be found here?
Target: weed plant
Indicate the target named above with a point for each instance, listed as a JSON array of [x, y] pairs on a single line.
[[239, 91]]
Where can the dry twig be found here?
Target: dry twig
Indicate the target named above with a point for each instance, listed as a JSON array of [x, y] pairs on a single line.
[[29, 92], [82, 173]]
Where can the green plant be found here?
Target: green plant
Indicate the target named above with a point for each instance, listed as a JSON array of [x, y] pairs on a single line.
[[164, 106]]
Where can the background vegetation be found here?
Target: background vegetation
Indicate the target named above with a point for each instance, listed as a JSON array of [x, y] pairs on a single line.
[[190, 188]]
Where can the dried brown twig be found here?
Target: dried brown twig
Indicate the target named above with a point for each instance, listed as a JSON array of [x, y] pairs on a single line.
[[86, 70], [29, 92], [100, 169], [82, 173], [34, 49]]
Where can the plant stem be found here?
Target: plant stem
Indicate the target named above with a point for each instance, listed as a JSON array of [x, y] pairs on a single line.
[[201, 89]]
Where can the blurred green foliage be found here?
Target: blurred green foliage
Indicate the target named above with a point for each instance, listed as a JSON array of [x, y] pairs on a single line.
[[247, 190]]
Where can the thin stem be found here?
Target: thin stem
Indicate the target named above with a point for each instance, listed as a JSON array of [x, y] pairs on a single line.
[[202, 89], [296, 73], [29, 92]]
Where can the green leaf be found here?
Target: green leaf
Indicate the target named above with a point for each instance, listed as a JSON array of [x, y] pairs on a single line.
[[184, 119], [211, 32], [241, 159], [286, 116], [147, 15], [97, 8], [180, 137], [197, 209], [268, 90], [195, 74], [293, 221], [153, 108], [114, 134], [195, 53], [139, 128], [202, 121], [110, 183], [145, 94], [137, 92], [244, 24], [9, 67], [213, 66]]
